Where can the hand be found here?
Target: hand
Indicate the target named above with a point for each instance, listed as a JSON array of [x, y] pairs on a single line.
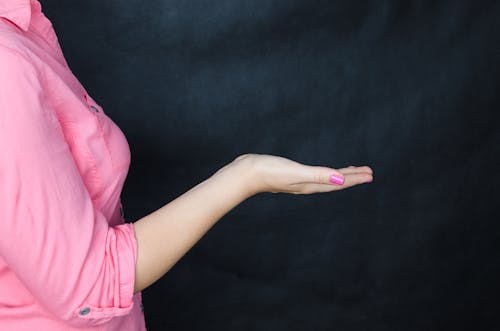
[[277, 174]]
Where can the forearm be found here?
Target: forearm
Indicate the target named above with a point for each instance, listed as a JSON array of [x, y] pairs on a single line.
[[164, 236]]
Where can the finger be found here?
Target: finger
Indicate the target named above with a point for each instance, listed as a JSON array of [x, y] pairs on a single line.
[[353, 169], [356, 179]]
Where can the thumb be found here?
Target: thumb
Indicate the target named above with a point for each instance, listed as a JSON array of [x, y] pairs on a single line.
[[325, 175]]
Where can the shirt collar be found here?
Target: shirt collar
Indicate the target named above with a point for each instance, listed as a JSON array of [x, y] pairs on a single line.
[[17, 11]]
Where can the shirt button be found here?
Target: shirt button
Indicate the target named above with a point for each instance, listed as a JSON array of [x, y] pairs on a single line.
[[94, 109], [85, 311]]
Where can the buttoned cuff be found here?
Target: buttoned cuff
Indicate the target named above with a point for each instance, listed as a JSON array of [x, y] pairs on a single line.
[[126, 248]]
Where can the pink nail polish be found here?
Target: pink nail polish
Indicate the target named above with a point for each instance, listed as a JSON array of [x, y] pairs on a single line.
[[336, 180]]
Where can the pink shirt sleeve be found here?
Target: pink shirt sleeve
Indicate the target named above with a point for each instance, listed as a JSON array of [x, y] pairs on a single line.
[[59, 245]]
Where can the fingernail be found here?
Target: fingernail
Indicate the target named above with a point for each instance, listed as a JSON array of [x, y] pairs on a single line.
[[335, 179]]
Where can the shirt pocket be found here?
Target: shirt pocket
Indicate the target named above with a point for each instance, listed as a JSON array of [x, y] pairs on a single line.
[[113, 137]]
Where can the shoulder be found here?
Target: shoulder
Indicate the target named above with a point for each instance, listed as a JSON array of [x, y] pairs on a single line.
[[19, 74], [14, 49]]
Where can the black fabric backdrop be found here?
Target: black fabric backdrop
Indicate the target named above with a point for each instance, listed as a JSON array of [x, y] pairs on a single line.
[[409, 88]]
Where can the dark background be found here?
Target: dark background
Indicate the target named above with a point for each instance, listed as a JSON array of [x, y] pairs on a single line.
[[409, 88]]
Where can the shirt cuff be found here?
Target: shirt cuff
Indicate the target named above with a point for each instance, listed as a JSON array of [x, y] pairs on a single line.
[[126, 245]]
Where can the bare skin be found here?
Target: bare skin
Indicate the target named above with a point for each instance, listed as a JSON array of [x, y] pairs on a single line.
[[165, 235]]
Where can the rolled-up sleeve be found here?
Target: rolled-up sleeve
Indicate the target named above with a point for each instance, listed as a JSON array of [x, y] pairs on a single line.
[[60, 246]]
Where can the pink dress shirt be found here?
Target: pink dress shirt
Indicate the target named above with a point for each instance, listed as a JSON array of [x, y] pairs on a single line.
[[67, 257]]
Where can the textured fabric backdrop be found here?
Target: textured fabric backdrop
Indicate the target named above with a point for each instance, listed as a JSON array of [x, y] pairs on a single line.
[[410, 88]]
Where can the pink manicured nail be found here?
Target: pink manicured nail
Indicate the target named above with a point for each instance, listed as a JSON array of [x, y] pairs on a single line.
[[335, 179]]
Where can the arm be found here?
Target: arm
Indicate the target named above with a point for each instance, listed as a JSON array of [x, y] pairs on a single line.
[[61, 246], [165, 235]]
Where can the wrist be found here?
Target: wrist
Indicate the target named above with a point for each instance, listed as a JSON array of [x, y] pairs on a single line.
[[244, 171]]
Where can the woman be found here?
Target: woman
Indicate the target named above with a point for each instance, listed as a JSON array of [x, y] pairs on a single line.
[[68, 260]]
